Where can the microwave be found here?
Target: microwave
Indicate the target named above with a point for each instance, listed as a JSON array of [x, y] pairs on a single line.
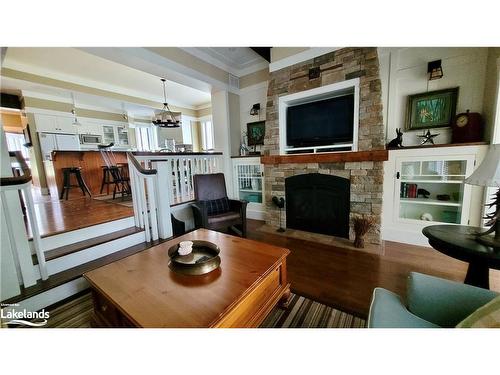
[[90, 139]]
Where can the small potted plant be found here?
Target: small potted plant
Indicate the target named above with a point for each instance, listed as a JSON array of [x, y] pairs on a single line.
[[362, 225]]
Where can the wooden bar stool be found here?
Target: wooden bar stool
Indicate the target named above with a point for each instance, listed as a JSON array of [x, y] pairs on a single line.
[[107, 176], [67, 172]]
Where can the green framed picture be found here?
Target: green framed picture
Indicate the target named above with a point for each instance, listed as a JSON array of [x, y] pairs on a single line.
[[433, 109], [255, 132]]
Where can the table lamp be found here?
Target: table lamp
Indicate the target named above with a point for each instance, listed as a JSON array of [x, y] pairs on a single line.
[[488, 174]]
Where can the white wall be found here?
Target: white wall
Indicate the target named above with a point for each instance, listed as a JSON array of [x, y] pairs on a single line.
[[248, 97], [403, 72], [220, 118]]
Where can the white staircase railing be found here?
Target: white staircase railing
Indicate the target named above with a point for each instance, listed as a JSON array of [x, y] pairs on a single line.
[[159, 180], [14, 192]]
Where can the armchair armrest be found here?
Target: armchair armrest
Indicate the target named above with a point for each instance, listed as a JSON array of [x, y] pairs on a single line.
[[388, 311], [444, 302], [241, 207], [200, 214], [238, 205]]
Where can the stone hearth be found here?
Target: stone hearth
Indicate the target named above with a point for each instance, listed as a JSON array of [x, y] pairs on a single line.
[[366, 177]]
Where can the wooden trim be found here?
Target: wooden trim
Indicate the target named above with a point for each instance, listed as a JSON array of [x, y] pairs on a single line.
[[17, 180], [375, 155], [139, 167]]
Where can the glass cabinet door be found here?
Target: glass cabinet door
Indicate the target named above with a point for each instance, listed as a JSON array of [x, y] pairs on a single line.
[[431, 190], [108, 134], [250, 182], [122, 135]]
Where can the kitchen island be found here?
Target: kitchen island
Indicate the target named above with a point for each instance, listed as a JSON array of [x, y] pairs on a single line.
[[91, 163]]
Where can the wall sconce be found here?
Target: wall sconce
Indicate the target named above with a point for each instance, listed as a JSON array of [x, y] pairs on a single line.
[[255, 109], [435, 70]]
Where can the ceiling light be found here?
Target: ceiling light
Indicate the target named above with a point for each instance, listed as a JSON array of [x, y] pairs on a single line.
[[73, 111], [166, 119]]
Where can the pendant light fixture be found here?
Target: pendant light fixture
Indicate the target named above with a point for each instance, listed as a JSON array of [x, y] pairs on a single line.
[[166, 119], [73, 111]]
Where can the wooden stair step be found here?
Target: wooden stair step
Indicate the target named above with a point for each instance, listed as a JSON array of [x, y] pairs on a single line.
[[85, 244], [75, 272]]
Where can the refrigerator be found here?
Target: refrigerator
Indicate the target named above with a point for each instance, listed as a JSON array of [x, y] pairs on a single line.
[[51, 141]]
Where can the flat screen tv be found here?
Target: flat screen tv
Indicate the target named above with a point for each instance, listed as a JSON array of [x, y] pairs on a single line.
[[320, 123]]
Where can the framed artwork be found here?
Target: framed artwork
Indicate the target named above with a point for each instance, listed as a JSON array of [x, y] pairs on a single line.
[[255, 132], [433, 109]]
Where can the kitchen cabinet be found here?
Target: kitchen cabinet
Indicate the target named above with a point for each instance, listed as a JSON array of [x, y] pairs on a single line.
[[54, 124], [90, 128], [108, 134], [122, 135]]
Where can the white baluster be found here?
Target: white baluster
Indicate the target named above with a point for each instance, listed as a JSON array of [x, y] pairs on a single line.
[[152, 206], [182, 184], [30, 208], [165, 198]]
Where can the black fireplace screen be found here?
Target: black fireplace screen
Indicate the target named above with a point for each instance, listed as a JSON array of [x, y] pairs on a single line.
[[318, 203]]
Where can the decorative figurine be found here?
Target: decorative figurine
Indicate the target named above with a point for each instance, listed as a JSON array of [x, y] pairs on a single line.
[[422, 192], [398, 141], [280, 203], [427, 137]]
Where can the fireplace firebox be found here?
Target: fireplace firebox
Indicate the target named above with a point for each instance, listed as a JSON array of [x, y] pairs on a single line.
[[318, 203]]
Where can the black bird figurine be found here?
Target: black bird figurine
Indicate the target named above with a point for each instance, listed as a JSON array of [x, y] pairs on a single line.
[[280, 203]]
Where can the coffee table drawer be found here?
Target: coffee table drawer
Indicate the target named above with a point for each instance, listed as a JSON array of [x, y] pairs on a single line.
[[244, 313]]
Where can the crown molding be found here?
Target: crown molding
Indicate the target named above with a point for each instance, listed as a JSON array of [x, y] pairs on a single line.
[[194, 51], [311, 53]]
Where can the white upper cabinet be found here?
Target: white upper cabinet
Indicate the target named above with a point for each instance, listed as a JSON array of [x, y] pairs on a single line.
[[89, 128], [54, 124]]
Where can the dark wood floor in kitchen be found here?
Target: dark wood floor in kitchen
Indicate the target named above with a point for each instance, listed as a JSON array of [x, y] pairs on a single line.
[[345, 278]]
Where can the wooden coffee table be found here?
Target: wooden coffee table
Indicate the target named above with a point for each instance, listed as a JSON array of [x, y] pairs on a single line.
[[142, 291]]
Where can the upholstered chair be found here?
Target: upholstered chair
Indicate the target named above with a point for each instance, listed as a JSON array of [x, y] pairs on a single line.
[[431, 302], [213, 209]]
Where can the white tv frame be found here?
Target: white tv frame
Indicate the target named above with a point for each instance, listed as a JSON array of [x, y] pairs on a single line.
[[320, 93]]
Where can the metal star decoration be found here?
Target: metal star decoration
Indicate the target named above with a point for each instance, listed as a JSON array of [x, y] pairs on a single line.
[[427, 137]]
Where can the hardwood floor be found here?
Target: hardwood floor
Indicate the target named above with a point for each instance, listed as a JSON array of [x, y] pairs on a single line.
[[345, 278], [55, 216]]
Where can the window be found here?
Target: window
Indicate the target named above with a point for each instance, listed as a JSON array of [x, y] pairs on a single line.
[[15, 142], [207, 135], [144, 138]]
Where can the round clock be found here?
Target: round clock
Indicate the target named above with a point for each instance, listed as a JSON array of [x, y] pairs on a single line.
[[462, 120], [467, 127]]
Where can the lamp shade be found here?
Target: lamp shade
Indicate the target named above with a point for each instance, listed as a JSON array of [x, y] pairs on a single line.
[[488, 173]]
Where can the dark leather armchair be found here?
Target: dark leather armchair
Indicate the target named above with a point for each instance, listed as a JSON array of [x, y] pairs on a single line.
[[209, 187]]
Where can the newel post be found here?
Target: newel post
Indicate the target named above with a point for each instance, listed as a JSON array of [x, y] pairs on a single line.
[[164, 196]]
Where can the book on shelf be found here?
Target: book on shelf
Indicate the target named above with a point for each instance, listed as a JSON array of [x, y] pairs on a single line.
[[408, 190]]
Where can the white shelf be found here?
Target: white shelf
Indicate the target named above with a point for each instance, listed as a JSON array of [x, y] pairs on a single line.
[[433, 202], [250, 191], [433, 181]]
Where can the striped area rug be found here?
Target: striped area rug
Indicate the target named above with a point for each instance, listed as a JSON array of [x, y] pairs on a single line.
[[301, 313]]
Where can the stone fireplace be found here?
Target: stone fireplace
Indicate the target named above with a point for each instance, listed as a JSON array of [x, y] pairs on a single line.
[[363, 172]]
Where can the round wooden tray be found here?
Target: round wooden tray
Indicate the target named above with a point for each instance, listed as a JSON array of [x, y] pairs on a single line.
[[203, 259]]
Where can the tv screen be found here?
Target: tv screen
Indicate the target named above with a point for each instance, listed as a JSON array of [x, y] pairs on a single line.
[[321, 123]]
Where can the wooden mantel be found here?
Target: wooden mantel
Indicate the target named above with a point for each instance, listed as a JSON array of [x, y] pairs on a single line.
[[331, 157]]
